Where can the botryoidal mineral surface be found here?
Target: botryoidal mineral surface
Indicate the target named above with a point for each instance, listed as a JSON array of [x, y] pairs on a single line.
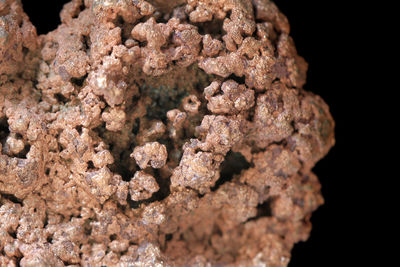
[[158, 133]]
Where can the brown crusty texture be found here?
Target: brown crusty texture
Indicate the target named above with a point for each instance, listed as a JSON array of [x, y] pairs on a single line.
[[158, 133]]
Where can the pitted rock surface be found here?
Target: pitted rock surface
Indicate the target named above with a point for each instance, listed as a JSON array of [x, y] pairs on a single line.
[[156, 133]]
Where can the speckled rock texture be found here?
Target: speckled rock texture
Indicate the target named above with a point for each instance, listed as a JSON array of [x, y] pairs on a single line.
[[158, 133]]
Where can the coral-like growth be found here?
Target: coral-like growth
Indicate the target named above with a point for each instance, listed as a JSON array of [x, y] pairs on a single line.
[[158, 133]]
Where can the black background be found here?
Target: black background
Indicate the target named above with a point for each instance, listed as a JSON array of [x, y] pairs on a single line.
[[325, 34]]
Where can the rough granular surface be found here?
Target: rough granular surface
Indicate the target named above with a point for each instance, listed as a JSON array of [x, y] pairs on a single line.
[[158, 133]]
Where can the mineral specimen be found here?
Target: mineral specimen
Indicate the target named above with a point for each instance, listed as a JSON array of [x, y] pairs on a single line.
[[156, 133]]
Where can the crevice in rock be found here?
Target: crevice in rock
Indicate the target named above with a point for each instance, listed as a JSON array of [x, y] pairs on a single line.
[[165, 7], [212, 28], [239, 80], [160, 195], [79, 81], [123, 164], [164, 97], [61, 98], [4, 130], [24, 152], [233, 164], [11, 198], [263, 210]]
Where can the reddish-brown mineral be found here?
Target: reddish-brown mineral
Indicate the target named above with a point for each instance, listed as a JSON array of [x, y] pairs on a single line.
[[158, 133]]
